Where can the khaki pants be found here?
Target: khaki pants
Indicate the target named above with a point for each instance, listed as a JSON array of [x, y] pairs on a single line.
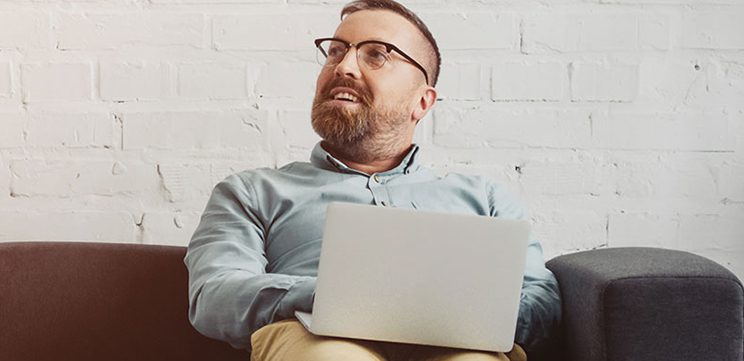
[[289, 341]]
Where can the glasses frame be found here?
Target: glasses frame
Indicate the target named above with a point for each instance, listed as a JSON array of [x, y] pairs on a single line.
[[388, 47]]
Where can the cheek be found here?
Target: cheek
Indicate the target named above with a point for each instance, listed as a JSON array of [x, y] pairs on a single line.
[[323, 79]]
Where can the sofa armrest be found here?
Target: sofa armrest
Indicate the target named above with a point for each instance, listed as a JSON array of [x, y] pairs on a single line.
[[99, 301], [648, 304]]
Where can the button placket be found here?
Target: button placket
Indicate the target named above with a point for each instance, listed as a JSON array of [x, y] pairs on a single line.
[[379, 193]]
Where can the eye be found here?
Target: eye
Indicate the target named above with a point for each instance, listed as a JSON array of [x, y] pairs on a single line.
[[336, 50], [375, 55]]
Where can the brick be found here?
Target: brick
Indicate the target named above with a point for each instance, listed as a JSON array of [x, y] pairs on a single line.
[[6, 83], [571, 32], [296, 130], [679, 83], [13, 126], [502, 29], [218, 2], [728, 177], [717, 29], [564, 177], [654, 31], [460, 82], [721, 86], [564, 231], [689, 130], [57, 81], [498, 126], [670, 2], [121, 30], [212, 81], [186, 181], [643, 230], [4, 182], [72, 178], [669, 177], [529, 81], [263, 31], [194, 130], [169, 228], [699, 232], [134, 81], [603, 82], [689, 81], [98, 226], [24, 29], [288, 79], [94, 130]]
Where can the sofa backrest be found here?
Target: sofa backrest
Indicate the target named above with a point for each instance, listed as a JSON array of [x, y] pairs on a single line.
[[96, 301]]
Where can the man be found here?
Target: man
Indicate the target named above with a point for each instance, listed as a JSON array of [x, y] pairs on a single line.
[[254, 257]]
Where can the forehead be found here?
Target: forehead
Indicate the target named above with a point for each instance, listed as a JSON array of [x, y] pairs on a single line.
[[383, 25]]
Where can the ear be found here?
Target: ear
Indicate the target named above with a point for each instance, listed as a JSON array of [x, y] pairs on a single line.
[[424, 104]]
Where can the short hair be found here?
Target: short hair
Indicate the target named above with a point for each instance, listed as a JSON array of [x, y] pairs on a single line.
[[434, 60]]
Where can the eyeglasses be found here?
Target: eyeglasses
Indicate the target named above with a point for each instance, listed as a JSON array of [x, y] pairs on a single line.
[[371, 53]]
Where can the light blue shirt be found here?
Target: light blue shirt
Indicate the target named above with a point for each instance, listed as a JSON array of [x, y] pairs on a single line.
[[253, 259]]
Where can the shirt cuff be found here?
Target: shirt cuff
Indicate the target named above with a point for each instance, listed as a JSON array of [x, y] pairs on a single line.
[[299, 297]]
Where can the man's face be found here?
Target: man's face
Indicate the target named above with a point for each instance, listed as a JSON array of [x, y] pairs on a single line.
[[384, 99]]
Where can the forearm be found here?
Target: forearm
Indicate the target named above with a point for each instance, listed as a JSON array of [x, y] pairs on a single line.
[[231, 306], [539, 311]]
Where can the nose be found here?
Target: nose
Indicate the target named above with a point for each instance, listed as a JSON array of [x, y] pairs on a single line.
[[348, 66]]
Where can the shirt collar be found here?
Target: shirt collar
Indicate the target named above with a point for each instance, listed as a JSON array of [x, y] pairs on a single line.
[[322, 159]]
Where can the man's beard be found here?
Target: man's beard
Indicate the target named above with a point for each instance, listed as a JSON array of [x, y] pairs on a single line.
[[362, 133]]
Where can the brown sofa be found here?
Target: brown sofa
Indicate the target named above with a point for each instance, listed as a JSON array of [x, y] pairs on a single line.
[[96, 301]]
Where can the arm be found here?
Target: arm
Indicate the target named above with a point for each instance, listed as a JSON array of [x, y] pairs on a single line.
[[230, 293], [540, 302]]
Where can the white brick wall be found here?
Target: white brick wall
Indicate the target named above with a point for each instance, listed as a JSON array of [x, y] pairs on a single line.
[[619, 122]]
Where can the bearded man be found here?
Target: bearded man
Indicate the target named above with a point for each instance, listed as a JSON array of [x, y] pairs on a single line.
[[253, 259]]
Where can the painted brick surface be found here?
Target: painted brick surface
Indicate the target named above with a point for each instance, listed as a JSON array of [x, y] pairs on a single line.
[[713, 29], [460, 82], [133, 81], [24, 29], [6, 84], [71, 130], [502, 28], [263, 31], [199, 130], [99, 226], [603, 82], [13, 125], [526, 81], [84, 31], [57, 81], [212, 81], [618, 122]]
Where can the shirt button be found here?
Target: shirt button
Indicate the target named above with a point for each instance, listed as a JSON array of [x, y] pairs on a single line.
[[376, 178]]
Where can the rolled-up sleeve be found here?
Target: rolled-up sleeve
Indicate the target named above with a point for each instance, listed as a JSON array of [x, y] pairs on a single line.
[[540, 302], [230, 293]]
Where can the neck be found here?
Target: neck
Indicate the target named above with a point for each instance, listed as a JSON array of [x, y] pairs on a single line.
[[367, 163]]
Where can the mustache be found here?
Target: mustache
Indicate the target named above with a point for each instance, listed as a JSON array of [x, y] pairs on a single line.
[[365, 97]]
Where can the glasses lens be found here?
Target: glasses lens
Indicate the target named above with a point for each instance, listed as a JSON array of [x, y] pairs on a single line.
[[374, 55], [331, 52]]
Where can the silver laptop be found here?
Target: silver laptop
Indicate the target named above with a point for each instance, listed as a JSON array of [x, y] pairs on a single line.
[[419, 277]]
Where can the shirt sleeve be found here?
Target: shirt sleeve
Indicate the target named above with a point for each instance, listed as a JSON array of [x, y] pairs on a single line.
[[230, 293], [540, 303]]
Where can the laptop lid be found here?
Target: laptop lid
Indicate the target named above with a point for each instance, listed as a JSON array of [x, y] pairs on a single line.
[[420, 277]]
